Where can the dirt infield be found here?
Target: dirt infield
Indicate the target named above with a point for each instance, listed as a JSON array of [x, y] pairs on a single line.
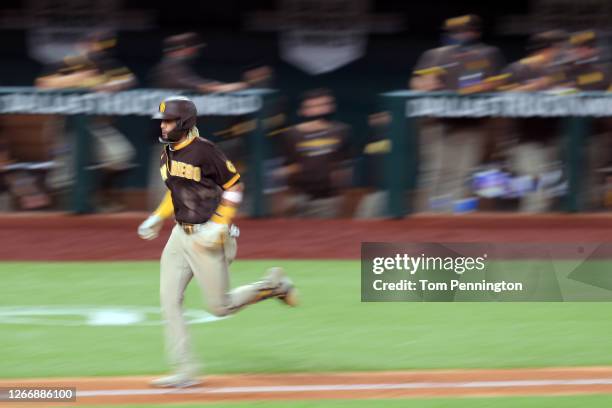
[[113, 237], [379, 385]]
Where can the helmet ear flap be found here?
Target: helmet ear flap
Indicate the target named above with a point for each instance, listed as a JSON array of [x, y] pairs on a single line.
[[183, 124]]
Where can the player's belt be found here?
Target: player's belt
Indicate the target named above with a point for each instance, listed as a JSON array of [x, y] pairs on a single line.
[[190, 228]]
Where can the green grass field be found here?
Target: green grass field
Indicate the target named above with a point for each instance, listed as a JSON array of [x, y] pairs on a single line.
[[591, 401], [331, 331]]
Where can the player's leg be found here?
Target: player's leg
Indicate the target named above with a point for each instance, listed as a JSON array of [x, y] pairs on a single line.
[[322, 208], [210, 267], [431, 162], [532, 158], [174, 277], [462, 151], [598, 148]]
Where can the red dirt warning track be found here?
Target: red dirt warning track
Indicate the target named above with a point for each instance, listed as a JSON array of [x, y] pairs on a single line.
[[379, 385], [47, 236]]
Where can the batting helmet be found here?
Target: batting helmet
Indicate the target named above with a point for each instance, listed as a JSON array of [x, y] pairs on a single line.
[[181, 109]]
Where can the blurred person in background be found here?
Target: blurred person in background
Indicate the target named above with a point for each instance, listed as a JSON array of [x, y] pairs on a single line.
[[317, 163], [452, 148], [95, 67], [589, 72], [259, 76], [22, 184], [533, 148], [175, 70], [5, 160], [545, 66], [375, 153], [235, 130], [587, 69]]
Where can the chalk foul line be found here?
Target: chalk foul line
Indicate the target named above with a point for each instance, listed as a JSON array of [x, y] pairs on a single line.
[[347, 387]]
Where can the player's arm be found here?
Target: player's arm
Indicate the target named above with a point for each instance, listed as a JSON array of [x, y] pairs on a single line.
[[427, 73], [72, 80], [116, 79], [150, 228], [428, 79], [214, 231], [165, 208], [225, 175], [230, 201], [225, 87]]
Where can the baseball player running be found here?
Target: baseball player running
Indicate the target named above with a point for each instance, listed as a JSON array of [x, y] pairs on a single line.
[[204, 193]]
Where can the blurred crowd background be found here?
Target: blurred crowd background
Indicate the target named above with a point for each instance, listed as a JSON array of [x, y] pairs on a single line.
[[327, 130]]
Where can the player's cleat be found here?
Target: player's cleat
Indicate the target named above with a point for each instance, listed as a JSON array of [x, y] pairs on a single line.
[[178, 380], [284, 289], [290, 295]]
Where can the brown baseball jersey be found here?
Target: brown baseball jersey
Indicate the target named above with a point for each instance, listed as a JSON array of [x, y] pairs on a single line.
[[523, 72], [318, 154], [590, 76], [176, 73], [196, 174], [461, 68], [106, 68], [526, 70]]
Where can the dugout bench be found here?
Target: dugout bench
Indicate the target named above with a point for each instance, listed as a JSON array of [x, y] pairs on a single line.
[[81, 105], [405, 107]]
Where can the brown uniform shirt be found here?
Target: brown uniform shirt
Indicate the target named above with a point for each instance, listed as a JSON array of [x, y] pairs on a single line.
[[106, 67], [318, 154], [522, 72], [176, 73], [526, 70], [196, 175], [461, 68], [590, 76]]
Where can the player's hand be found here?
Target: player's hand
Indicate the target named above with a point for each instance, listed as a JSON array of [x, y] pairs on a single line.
[[231, 87], [212, 234], [150, 228], [234, 231]]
